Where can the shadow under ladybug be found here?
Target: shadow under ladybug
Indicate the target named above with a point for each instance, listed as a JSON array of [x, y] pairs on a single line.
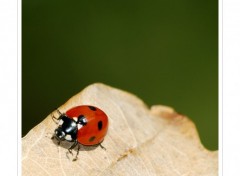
[[72, 126]]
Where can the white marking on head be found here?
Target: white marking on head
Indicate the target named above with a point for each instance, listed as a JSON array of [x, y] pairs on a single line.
[[68, 137], [60, 122], [79, 126], [73, 124], [75, 119]]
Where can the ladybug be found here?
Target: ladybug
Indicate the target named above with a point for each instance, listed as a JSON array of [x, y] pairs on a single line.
[[85, 125]]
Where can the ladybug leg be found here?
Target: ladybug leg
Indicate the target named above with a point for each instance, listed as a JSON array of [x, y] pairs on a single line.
[[75, 159], [100, 144], [54, 118], [72, 147], [58, 112]]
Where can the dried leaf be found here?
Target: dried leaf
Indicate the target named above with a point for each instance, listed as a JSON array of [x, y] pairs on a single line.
[[140, 141]]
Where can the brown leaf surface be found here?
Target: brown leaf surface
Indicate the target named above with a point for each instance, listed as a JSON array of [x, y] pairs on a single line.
[[140, 141]]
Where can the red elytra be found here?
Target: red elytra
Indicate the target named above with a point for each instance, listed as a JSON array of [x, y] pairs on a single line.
[[96, 128]]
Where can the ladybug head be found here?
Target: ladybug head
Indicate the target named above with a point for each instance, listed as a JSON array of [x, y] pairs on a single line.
[[60, 134], [67, 129]]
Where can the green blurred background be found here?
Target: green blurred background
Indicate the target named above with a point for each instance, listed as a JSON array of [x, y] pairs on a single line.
[[165, 52]]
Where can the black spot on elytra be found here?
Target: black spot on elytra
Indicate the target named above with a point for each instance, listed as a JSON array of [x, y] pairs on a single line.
[[99, 125], [92, 108], [92, 138]]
